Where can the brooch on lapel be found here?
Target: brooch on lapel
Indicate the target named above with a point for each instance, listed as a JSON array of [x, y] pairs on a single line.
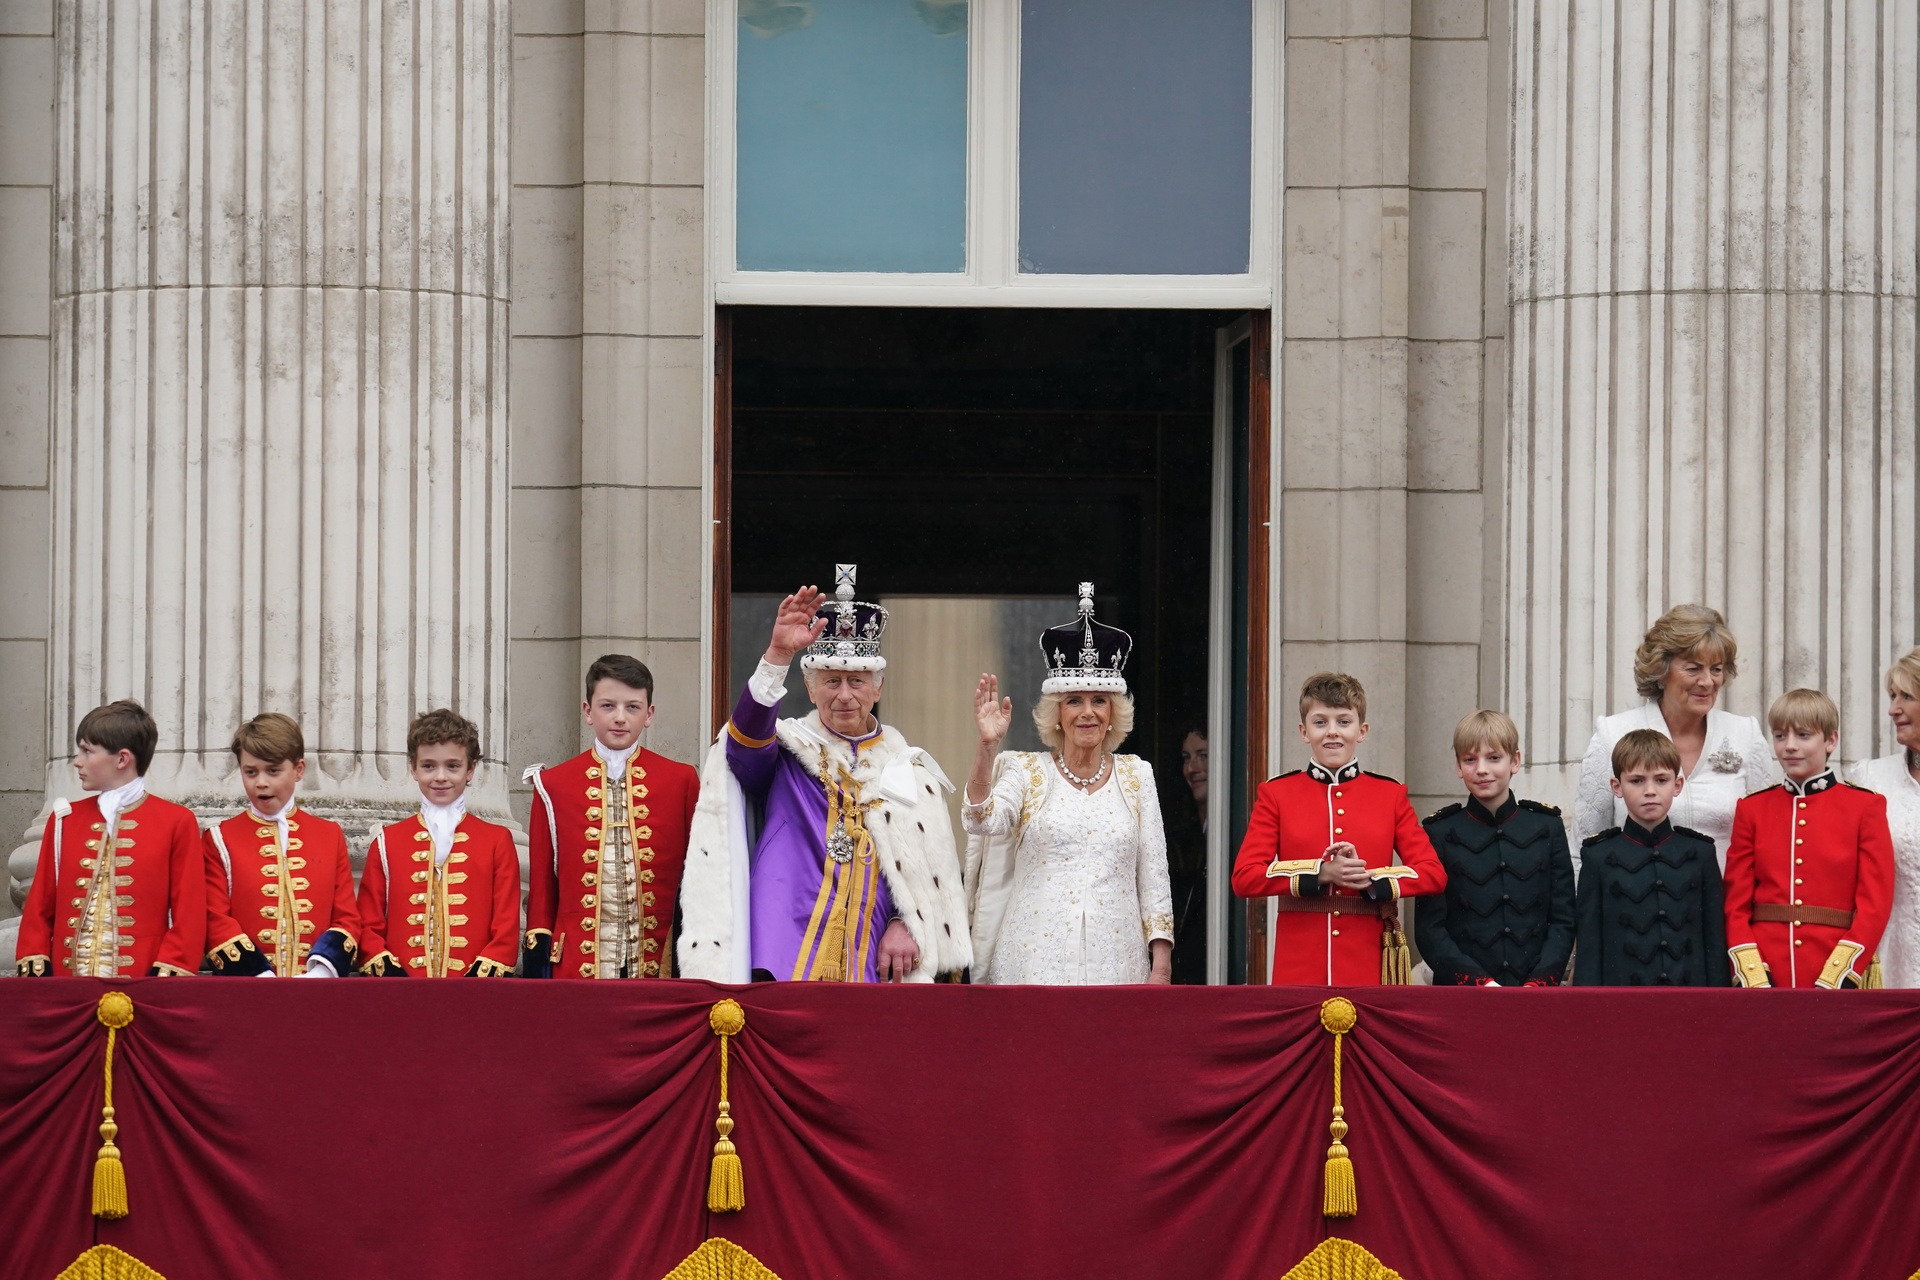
[[1725, 759]]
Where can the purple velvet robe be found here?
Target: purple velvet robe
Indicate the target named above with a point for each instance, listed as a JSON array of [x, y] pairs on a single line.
[[790, 857]]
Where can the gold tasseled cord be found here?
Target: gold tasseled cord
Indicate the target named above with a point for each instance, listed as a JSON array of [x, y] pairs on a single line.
[[1338, 1016], [726, 1181], [109, 1175]]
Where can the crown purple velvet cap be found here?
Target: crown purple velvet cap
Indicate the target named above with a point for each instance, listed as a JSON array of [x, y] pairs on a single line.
[[851, 641]]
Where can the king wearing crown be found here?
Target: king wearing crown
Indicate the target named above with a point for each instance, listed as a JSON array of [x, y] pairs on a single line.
[[821, 848]]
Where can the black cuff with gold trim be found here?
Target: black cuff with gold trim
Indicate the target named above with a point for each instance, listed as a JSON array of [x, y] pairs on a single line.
[[34, 966], [384, 965], [237, 957], [336, 950], [536, 954], [485, 968]]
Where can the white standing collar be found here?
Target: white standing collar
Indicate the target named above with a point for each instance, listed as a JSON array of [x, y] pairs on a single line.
[[117, 801], [442, 820], [615, 761]]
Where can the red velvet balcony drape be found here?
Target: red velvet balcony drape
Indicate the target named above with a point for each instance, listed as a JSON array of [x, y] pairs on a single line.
[[376, 1129]]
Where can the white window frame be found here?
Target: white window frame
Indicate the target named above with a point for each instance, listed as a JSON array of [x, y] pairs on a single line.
[[992, 277]]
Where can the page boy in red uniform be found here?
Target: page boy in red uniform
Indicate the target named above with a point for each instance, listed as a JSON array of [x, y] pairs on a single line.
[[1810, 866], [440, 896], [279, 883], [1322, 841], [119, 891], [608, 831]]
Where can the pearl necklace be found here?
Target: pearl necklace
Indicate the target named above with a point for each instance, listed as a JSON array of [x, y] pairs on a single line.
[[1085, 784]]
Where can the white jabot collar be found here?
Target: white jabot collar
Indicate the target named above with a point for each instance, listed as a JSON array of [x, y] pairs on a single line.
[[277, 819], [120, 799], [615, 761], [442, 821]]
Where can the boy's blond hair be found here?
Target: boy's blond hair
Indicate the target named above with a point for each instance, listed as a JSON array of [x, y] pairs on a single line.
[[271, 738], [1486, 728], [1804, 709], [1645, 749], [1333, 689]]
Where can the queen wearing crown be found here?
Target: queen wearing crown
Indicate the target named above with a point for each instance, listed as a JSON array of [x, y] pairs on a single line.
[[1066, 856], [821, 849]]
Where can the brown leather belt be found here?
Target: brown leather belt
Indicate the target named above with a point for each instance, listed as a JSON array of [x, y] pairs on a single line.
[[1778, 913], [1330, 905]]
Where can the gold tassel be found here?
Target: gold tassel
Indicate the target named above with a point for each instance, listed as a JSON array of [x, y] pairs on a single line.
[[726, 1183], [1338, 1016], [1874, 979], [1396, 960], [109, 1175]]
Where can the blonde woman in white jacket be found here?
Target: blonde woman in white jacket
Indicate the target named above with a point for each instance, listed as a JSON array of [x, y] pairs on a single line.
[[1680, 668]]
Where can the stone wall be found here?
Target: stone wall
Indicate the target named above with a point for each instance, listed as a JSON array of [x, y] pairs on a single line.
[[608, 365], [26, 524], [1392, 329], [1715, 254]]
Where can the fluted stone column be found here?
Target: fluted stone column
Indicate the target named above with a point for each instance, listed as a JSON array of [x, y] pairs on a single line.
[[279, 382], [1712, 311]]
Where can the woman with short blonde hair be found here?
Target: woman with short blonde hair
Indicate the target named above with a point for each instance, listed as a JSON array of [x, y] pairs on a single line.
[[1897, 777], [1067, 877], [1047, 719], [1680, 668]]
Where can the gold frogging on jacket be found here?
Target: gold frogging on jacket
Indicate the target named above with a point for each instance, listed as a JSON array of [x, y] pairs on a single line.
[[842, 920], [617, 944]]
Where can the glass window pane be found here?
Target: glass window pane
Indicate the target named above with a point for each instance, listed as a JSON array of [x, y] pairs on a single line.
[[852, 135], [1136, 141]]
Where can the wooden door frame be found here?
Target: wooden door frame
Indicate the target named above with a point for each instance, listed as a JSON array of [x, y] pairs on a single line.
[[722, 618], [1258, 584]]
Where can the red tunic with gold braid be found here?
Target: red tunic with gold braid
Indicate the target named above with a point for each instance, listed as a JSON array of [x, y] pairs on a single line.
[[1296, 818], [143, 910], [425, 919], [280, 904], [573, 844], [1809, 884]]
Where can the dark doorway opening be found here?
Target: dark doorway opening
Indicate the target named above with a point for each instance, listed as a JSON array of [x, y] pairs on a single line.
[[1003, 455]]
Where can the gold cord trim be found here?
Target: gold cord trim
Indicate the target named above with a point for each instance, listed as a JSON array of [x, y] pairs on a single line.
[[104, 1262], [1338, 1016], [1337, 1259], [115, 1011], [718, 1259], [726, 1181]]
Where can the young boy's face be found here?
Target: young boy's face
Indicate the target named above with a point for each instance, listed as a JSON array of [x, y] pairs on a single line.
[[103, 770], [1803, 752], [1488, 771], [270, 786], [1649, 791], [617, 713], [442, 770], [1333, 734]]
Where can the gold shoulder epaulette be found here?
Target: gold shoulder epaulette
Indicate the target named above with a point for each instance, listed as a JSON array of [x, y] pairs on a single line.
[[1288, 774], [1384, 777], [1444, 811], [1598, 836], [1540, 806]]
